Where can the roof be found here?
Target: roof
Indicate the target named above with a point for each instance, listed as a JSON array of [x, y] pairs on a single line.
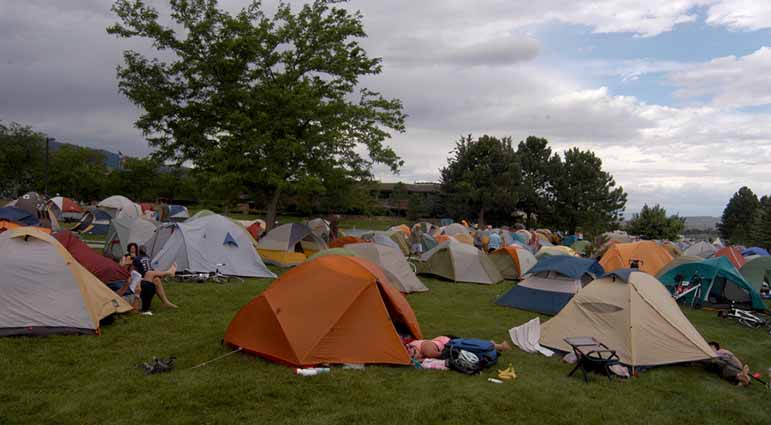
[[411, 188]]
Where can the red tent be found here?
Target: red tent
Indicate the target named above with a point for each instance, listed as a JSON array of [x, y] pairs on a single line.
[[733, 254], [100, 266], [147, 206], [68, 205], [255, 229]]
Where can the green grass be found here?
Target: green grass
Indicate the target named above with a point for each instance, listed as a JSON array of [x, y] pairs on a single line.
[[94, 380]]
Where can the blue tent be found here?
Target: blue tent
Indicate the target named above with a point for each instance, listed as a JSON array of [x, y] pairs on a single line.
[[18, 215], [721, 283], [569, 240], [551, 284], [755, 251]]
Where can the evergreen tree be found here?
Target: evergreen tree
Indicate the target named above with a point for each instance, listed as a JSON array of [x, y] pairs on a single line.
[[738, 217]]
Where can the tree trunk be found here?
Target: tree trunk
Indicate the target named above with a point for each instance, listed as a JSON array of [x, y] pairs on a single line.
[[272, 210], [481, 220]]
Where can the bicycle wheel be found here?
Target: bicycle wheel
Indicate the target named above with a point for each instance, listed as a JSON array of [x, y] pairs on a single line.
[[749, 323]]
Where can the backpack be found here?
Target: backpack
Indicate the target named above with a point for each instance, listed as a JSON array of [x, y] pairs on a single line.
[[470, 355]]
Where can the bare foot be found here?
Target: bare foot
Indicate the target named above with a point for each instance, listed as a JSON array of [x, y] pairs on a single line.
[[170, 305], [744, 376], [173, 269], [504, 346]]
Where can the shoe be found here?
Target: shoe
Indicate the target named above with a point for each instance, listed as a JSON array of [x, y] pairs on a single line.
[[146, 313]]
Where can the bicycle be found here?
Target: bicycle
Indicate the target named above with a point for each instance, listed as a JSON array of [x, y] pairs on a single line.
[[745, 318], [200, 277]]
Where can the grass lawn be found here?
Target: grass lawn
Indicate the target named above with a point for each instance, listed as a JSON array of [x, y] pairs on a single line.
[[94, 379]]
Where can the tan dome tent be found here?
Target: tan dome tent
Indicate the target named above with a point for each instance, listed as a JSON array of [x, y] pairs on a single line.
[[633, 313], [701, 249], [393, 263], [513, 261], [120, 206], [44, 291], [459, 262], [289, 245]]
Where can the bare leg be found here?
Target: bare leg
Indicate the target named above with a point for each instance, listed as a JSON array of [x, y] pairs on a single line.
[[504, 346], [152, 274], [744, 376], [162, 293]]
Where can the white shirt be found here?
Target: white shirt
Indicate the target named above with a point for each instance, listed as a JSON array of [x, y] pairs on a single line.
[[136, 280]]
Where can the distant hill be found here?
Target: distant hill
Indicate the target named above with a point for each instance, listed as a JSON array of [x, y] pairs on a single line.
[[111, 160], [701, 223]]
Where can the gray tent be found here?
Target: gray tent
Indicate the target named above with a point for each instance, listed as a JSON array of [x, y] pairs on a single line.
[[207, 244], [43, 290], [700, 249], [393, 263], [459, 262], [125, 230]]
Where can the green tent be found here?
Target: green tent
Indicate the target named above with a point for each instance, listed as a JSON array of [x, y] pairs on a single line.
[[721, 283], [582, 247], [756, 271], [332, 251]]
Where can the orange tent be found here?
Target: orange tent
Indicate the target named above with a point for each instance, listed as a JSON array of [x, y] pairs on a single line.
[[333, 309], [402, 228], [344, 240], [733, 254], [442, 238], [650, 256]]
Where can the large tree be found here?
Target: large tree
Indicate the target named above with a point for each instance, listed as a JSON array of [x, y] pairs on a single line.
[[77, 172], [586, 197], [760, 232], [270, 101], [539, 170], [22, 154], [738, 216], [481, 176], [653, 223]]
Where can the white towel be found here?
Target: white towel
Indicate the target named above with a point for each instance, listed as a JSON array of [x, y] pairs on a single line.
[[526, 337]]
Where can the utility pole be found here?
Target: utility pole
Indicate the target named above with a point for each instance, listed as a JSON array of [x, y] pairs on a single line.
[[48, 142]]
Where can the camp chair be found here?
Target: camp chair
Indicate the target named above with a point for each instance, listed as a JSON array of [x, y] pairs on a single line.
[[592, 355]]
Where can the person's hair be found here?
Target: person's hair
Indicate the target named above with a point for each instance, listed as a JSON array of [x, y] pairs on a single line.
[[136, 247], [714, 344], [142, 250]]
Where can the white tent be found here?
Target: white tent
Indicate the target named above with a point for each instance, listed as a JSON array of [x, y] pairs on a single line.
[[124, 231], [120, 206]]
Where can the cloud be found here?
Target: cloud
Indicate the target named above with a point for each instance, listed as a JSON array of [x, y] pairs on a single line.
[[740, 14], [729, 81]]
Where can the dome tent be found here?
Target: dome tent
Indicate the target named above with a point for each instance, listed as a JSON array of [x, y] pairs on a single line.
[[289, 245], [459, 262], [632, 313], [207, 244], [512, 261], [44, 290], [333, 309]]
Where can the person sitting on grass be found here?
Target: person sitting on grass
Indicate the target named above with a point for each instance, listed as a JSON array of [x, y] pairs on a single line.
[[142, 265], [728, 366], [128, 258]]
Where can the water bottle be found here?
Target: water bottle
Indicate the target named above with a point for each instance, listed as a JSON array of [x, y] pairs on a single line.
[[311, 371]]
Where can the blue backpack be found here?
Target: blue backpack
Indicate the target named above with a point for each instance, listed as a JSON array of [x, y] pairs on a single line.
[[484, 350]]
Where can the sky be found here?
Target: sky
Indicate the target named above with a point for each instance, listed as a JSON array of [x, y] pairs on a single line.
[[673, 95]]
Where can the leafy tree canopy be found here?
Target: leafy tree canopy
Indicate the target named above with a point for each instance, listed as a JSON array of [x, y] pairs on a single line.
[[653, 223], [482, 175], [272, 101]]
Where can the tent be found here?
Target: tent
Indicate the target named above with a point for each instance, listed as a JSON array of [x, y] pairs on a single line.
[[256, 229], [124, 231], [757, 271], [618, 236], [399, 272], [454, 229], [672, 249], [459, 262], [19, 216], [44, 291], [118, 205], [582, 247], [733, 254], [394, 239], [749, 252], [175, 213], [401, 228], [37, 206], [721, 284], [701, 249], [320, 228], [512, 261], [68, 210], [551, 284], [94, 222], [289, 245], [677, 262], [100, 266], [207, 244], [333, 309], [425, 227], [345, 240], [633, 313], [648, 255], [555, 250]]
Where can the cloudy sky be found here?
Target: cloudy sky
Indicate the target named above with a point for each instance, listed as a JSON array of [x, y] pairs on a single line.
[[673, 95]]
